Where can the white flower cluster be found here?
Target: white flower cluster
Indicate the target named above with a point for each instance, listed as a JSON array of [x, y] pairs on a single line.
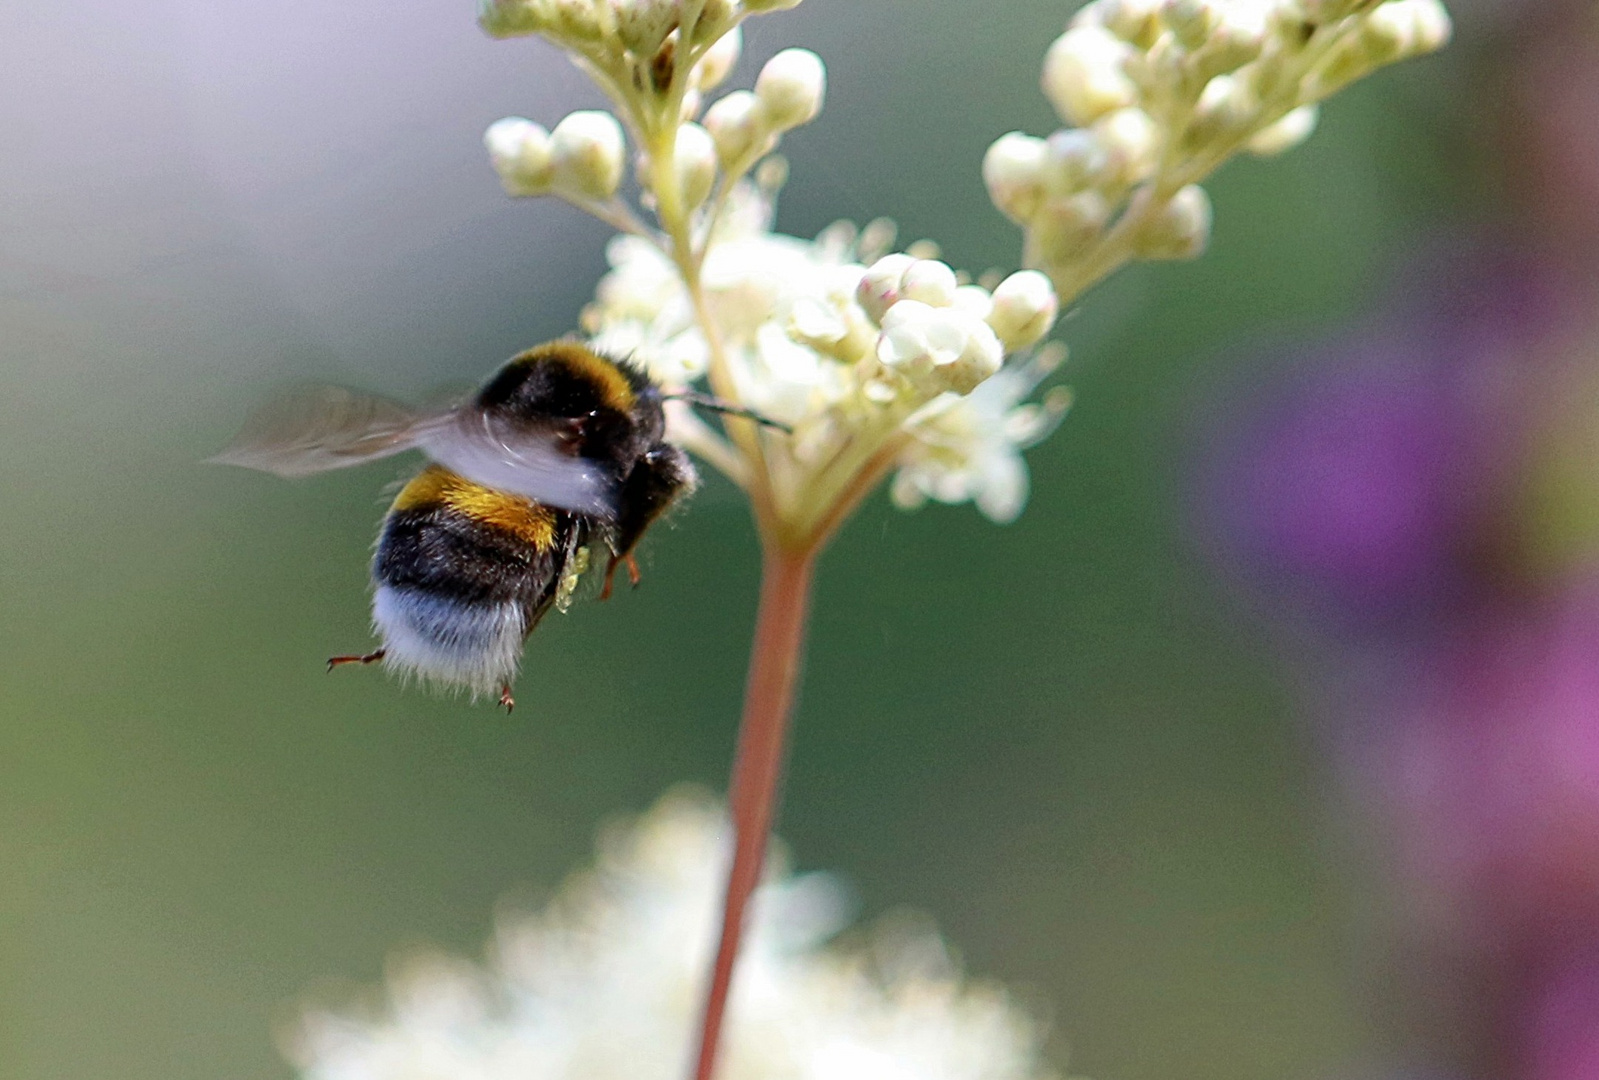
[[1158, 93], [865, 359], [656, 59], [605, 984], [864, 355]]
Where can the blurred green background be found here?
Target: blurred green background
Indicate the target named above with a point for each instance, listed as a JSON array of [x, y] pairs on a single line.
[[1059, 738]]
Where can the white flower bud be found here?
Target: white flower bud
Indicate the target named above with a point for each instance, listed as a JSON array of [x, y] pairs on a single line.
[[1180, 230], [1024, 309], [982, 357], [1084, 76], [738, 125], [1405, 28], [771, 175], [1237, 38], [511, 18], [790, 88], [1271, 76], [938, 349], [1132, 142], [1013, 171], [588, 154], [692, 101], [905, 492], [1287, 133], [914, 334], [1168, 71], [1191, 21], [694, 157], [1344, 65], [1385, 35], [1065, 226], [880, 285], [520, 152], [573, 20], [1433, 25], [642, 25], [716, 18], [1134, 21], [929, 281], [973, 300], [1074, 159], [761, 7], [1223, 110], [719, 59]]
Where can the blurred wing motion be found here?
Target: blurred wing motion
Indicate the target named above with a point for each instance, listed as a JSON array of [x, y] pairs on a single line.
[[328, 427], [319, 429]]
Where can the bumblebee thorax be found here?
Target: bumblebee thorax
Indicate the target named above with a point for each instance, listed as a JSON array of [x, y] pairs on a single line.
[[562, 378]]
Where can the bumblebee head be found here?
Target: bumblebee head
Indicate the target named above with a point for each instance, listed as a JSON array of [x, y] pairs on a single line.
[[614, 409]]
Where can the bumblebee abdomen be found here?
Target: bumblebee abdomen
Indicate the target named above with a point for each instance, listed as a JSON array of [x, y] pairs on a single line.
[[473, 645], [463, 574]]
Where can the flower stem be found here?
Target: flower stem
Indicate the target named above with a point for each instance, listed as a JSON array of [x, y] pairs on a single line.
[[757, 769]]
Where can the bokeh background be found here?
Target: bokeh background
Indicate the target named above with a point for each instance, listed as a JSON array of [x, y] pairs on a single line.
[[1089, 744]]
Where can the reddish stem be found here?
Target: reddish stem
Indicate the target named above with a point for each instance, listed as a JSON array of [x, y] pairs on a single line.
[[758, 768]]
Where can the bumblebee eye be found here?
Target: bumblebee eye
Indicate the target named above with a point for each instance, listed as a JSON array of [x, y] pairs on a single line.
[[571, 434]]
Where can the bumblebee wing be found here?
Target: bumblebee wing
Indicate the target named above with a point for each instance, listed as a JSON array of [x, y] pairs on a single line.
[[322, 428], [539, 464]]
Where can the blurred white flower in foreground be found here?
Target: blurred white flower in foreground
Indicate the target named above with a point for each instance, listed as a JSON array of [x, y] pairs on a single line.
[[606, 982]]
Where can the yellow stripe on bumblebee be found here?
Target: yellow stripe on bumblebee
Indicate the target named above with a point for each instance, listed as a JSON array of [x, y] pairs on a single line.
[[437, 486]]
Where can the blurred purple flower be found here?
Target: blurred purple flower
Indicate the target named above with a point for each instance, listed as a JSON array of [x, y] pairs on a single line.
[[1372, 493], [1560, 1031], [1357, 487], [1492, 769], [1424, 493], [1344, 489]]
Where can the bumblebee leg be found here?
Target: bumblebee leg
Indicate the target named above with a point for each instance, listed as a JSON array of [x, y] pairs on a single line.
[[633, 575], [506, 699], [369, 658]]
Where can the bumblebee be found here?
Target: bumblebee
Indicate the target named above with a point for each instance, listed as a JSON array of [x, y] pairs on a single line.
[[561, 451]]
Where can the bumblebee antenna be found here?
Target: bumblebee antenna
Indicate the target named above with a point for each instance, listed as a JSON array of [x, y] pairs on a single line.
[[712, 403]]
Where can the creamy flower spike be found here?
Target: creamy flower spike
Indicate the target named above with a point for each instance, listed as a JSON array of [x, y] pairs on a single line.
[[603, 985], [863, 360], [1158, 93]]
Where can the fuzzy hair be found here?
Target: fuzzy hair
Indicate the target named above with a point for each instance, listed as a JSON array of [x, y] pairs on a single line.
[[446, 641]]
